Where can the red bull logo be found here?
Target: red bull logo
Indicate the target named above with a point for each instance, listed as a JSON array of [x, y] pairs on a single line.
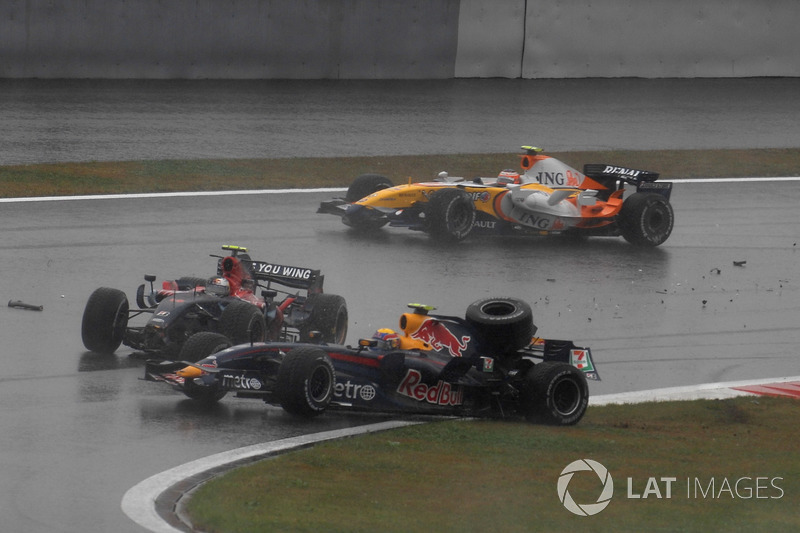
[[438, 336], [440, 394]]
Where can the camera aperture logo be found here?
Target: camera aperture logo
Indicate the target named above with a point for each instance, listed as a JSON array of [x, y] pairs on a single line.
[[585, 509]]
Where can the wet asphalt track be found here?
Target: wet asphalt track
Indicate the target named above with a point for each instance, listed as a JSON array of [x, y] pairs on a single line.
[[77, 430]]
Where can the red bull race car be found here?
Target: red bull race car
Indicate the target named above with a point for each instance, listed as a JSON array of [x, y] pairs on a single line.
[[547, 197], [226, 304], [489, 363]]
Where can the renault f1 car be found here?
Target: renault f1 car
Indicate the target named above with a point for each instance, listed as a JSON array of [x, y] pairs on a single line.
[[226, 303], [486, 364], [548, 197]]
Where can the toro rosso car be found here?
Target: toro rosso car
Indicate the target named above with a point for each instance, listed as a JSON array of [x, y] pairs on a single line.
[[226, 304], [548, 197], [486, 364]]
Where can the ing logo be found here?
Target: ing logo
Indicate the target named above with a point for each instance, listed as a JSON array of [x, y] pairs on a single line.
[[586, 509]]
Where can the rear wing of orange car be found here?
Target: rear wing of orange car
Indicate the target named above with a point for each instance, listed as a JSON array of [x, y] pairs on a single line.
[[644, 180]]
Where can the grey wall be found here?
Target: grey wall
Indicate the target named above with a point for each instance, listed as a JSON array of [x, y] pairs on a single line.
[[228, 38], [350, 39]]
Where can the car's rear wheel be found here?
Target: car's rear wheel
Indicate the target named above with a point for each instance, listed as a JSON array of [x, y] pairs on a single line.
[[197, 347], [242, 322], [449, 215], [504, 324], [366, 184], [646, 219], [105, 319], [306, 379], [554, 393], [328, 316]]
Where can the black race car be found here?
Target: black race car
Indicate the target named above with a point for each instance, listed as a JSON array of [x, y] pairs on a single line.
[[226, 304], [486, 364]]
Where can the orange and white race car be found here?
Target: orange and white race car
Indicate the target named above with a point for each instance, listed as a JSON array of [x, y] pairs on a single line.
[[546, 197]]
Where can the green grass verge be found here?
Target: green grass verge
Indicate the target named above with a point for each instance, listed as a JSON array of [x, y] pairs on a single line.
[[232, 174], [502, 476]]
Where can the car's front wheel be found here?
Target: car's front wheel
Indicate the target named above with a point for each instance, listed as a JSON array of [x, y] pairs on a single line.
[[105, 319], [197, 347], [366, 184], [306, 380], [449, 215], [505, 324]]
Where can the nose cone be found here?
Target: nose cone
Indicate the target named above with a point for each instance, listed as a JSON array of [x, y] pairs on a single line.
[[189, 372]]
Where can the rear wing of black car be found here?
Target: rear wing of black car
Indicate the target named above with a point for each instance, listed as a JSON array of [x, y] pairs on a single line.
[[289, 276]]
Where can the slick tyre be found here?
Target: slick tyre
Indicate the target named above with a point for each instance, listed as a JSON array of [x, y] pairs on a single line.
[[366, 184], [197, 347], [306, 380], [242, 322], [554, 393], [449, 215], [646, 219], [105, 319], [505, 324], [328, 316]]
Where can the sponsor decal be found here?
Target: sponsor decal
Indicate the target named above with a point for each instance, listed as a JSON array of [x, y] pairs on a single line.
[[535, 221], [580, 360], [241, 382], [621, 171], [488, 364], [485, 224], [281, 270], [482, 196], [354, 391], [162, 313], [568, 178], [441, 393], [438, 336]]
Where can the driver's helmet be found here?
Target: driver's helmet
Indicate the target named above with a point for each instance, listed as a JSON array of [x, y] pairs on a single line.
[[387, 339], [218, 287], [508, 176]]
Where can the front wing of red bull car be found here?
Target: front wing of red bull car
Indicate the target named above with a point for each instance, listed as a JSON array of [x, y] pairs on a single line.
[[488, 363]]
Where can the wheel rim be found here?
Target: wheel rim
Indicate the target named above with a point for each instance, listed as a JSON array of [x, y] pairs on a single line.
[[656, 220], [320, 384], [567, 396], [461, 217], [498, 308]]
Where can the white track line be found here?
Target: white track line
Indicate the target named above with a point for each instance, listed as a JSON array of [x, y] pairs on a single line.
[[299, 191], [139, 501]]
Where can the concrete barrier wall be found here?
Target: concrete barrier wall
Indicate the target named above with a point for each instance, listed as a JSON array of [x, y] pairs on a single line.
[[352, 39], [228, 38], [662, 38]]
